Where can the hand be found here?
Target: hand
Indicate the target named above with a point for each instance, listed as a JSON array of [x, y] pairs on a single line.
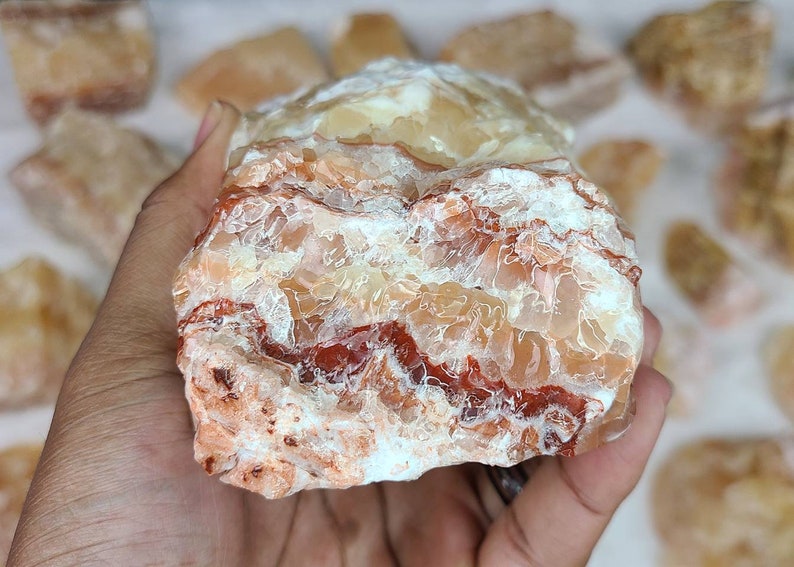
[[117, 483]]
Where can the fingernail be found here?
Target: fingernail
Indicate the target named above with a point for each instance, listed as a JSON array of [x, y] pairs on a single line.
[[211, 119]]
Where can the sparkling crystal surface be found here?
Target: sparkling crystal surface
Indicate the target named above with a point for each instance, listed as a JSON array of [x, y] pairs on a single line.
[[568, 71], [403, 271], [45, 317], [711, 62], [94, 55], [707, 275], [727, 502], [253, 70]]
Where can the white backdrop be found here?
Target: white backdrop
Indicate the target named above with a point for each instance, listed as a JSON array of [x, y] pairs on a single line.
[[736, 400]]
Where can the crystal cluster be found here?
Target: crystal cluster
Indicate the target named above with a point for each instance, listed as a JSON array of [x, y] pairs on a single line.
[[720, 502], [403, 271], [363, 38], [17, 465], [707, 275], [779, 359], [755, 187], [566, 70], [94, 55], [623, 169], [89, 179], [711, 62], [253, 70], [45, 317]]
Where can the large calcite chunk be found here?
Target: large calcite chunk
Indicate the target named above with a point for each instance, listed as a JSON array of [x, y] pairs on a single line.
[[17, 465], [569, 72], [252, 71], [95, 55], [89, 179], [45, 317], [711, 62], [727, 502], [778, 354], [755, 187], [708, 276], [403, 271], [363, 38]]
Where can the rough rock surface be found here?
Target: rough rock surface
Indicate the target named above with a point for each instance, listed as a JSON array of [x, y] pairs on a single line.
[[711, 62], [403, 271], [727, 502]]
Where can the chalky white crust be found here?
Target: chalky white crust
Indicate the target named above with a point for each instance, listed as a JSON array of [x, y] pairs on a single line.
[[403, 272]]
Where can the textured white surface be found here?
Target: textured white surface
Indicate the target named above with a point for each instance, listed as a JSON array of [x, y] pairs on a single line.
[[737, 401]]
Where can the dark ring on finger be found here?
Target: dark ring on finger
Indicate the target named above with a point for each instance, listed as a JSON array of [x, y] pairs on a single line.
[[508, 481]]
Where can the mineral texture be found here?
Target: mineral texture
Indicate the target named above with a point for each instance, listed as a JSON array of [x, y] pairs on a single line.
[[45, 317], [778, 355], [707, 275], [252, 71], [623, 169], [403, 271], [720, 502], [89, 179], [711, 62], [363, 38], [94, 55], [569, 72], [755, 187], [17, 465]]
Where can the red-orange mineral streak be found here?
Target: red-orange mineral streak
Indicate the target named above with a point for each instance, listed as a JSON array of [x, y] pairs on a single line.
[[341, 360]]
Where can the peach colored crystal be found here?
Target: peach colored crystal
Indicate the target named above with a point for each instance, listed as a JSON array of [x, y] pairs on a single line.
[[727, 502], [45, 317], [89, 179], [363, 38], [566, 70], [252, 71], [17, 465], [706, 274], [755, 187], [94, 55], [712, 62], [623, 169], [403, 271]]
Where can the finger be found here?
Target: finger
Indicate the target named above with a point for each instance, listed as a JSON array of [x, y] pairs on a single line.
[[653, 334], [563, 509]]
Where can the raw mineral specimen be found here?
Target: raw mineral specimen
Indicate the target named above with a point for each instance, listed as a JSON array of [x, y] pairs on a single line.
[[17, 465], [252, 71], [403, 271], [45, 317], [720, 502], [88, 180], [755, 187], [363, 38], [95, 55], [706, 274], [711, 62], [686, 358], [779, 357], [622, 168], [569, 72]]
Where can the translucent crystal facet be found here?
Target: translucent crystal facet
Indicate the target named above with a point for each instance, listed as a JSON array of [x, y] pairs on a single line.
[[363, 38], [403, 271]]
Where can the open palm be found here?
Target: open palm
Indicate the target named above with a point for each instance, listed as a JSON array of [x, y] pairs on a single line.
[[117, 483]]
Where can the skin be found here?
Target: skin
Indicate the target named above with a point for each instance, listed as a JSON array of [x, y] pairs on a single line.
[[117, 483]]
